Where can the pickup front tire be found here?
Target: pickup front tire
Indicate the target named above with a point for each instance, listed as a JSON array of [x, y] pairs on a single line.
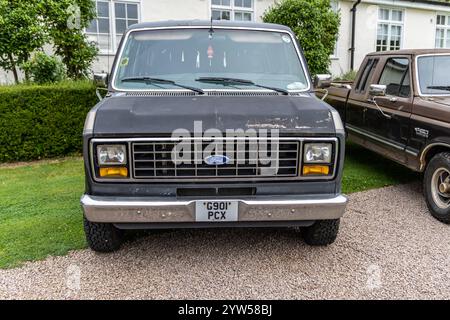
[[321, 233], [102, 237], [437, 187]]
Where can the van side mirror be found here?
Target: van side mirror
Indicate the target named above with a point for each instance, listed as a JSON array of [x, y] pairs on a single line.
[[377, 90], [322, 81], [101, 79]]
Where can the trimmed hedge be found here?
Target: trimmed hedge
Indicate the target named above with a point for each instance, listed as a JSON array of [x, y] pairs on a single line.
[[43, 121]]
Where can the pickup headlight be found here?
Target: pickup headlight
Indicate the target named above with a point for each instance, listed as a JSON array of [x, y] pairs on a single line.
[[111, 155], [318, 152]]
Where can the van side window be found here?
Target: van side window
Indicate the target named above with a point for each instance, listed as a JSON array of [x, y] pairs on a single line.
[[366, 75], [396, 78]]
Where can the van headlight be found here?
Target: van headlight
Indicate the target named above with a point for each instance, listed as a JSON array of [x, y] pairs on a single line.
[[318, 152], [111, 154]]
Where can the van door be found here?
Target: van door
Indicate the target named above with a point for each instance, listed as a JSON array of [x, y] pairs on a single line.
[[387, 119]]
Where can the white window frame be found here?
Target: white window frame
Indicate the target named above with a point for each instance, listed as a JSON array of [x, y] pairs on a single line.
[[445, 27], [391, 23], [112, 24], [233, 9]]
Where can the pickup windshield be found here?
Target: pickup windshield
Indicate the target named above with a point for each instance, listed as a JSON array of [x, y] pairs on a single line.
[[181, 57], [434, 74]]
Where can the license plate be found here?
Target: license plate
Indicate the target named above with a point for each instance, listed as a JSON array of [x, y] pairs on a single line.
[[216, 211]]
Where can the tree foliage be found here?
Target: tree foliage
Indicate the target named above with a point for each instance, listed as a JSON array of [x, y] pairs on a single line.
[[315, 25], [26, 25], [65, 20], [21, 32]]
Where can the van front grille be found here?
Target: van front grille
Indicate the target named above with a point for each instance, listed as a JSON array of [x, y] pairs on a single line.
[[244, 159]]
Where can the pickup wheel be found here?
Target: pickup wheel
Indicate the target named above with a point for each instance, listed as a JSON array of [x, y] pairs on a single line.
[[102, 237], [321, 233], [437, 187]]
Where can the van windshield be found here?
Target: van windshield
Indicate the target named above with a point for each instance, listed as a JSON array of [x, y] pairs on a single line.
[[434, 74], [188, 56]]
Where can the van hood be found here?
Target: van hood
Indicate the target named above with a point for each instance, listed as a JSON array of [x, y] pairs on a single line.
[[130, 115]]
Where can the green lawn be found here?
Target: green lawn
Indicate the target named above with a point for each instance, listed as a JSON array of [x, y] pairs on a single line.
[[40, 213]]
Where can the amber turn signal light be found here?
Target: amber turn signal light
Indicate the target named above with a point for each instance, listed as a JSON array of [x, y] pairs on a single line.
[[114, 172], [316, 170]]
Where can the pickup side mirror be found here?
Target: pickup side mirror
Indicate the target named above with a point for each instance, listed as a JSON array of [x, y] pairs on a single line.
[[101, 79], [322, 81], [377, 90]]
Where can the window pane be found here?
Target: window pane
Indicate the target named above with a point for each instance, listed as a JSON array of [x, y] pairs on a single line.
[[93, 27], [440, 20], [247, 3], [238, 16], [383, 14], [102, 9], [397, 15], [238, 3], [103, 25], [131, 22], [120, 10], [225, 15], [226, 3], [447, 43], [396, 31], [132, 11], [448, 20], [247, 16], [216, 2], [393, 75], [215, 15], [121, 26]]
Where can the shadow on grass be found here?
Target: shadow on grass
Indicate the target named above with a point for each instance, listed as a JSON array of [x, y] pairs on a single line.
[[365, 170]]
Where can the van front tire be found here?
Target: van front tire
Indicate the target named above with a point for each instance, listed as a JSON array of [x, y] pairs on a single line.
[[321, 233], [102, 237]]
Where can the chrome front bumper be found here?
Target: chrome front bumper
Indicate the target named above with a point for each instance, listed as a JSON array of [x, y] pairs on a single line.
[[271, 209]]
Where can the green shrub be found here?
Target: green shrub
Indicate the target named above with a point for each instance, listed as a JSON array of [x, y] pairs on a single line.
[[43, 121], [315, 25], [43, 69]]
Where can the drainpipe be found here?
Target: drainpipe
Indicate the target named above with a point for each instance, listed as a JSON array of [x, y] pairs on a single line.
[[352, 49]]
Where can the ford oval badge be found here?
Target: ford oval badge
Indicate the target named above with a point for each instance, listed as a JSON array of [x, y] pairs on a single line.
[[217, 160]]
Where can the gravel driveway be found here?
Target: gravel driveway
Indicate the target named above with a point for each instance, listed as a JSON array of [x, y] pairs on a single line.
[[389, 247]]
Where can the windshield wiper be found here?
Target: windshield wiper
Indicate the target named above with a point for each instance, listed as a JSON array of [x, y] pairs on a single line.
[[150, 80], [445, 88], [234, 81]]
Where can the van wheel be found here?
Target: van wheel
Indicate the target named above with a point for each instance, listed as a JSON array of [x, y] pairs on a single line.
[[102, 237], [437, 187], [321, 233]]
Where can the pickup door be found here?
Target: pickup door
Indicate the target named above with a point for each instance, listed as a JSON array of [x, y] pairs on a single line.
[[389, 122]]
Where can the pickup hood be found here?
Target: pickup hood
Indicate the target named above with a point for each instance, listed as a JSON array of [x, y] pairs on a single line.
[[161, 115]]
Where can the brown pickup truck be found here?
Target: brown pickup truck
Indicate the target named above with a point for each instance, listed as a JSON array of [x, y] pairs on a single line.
[[399, 106]]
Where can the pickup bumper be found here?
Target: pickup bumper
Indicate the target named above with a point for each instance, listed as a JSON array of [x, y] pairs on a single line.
[[123, 210]]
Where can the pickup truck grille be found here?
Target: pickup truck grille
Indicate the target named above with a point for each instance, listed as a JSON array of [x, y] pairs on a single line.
[[153, 160]]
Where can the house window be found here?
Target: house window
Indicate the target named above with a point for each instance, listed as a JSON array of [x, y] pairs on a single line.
[[390, 29], [237, 10], [113, 18], [442, 31]]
